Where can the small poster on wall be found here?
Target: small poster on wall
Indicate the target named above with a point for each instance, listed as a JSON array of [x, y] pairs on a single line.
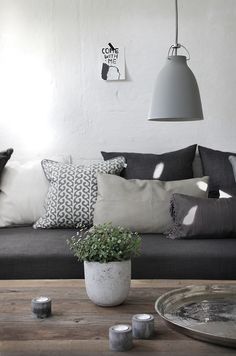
[[113, 62]]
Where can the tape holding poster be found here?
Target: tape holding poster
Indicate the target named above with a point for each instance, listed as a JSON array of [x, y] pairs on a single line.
[[113, 62]]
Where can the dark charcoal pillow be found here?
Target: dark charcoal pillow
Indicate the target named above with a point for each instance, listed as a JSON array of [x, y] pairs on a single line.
[[202, 217], [232, 160], [4, 157], [169, 166], [216, 165]]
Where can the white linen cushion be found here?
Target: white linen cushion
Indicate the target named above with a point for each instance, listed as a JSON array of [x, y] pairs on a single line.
[[23, 191]]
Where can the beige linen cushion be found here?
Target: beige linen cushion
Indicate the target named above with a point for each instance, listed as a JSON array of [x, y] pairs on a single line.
[[141, 205]]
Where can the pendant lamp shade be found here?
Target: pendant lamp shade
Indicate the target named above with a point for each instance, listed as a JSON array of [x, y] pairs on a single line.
[[176, 95]]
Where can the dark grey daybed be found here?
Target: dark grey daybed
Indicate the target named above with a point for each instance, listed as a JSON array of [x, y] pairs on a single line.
[[26, 253]]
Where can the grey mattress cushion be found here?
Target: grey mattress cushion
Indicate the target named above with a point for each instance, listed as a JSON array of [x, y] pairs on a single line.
[[26, 253], [188, 259], [194, 216], [29, 253]]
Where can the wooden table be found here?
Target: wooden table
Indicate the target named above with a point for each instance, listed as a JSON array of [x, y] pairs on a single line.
[[79, 327]]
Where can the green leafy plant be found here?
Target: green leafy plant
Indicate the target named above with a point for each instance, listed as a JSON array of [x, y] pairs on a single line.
[[105, 243]]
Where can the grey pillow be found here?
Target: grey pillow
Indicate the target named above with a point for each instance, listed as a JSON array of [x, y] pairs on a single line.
[[73, 192], [232, 160], [168, 166], [141, 205], [195, 216], [216, 165]]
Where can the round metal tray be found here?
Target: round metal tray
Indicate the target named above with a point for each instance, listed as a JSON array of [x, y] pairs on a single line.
[[203, 312]]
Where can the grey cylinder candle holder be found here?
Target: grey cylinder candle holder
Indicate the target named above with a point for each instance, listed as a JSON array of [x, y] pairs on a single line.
[[41, 307], [143, 326], [120, 337]]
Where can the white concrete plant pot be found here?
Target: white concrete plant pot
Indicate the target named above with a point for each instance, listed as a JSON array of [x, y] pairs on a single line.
[[107, 284]]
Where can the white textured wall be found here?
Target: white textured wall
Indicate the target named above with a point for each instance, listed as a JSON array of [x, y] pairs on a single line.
[[53, 100]]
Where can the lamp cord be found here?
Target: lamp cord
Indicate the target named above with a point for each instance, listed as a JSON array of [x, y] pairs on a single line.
[[174, 48], [176, 26]]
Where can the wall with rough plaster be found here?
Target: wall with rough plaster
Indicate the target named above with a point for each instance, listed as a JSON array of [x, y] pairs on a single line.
[[52, 98]]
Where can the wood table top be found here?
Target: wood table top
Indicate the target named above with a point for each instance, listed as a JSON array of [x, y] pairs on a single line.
[[78, 327]]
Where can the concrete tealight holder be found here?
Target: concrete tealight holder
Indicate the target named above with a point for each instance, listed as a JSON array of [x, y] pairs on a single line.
[[120, 337], [41, 307], [143, 326]]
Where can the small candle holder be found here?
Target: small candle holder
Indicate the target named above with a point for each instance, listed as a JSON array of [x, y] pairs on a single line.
[[143, 326], [120, 337], [41, 307]]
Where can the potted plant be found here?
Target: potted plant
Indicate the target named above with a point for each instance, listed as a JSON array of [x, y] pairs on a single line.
[[106, 252]]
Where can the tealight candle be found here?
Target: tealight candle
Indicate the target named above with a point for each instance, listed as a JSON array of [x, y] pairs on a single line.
[[120, 337], [143, 326], [41, 307]]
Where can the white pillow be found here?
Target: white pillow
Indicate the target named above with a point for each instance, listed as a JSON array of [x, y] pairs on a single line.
[[23, 191]]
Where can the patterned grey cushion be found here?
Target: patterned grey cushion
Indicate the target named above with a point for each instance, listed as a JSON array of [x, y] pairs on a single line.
[[73, 192]]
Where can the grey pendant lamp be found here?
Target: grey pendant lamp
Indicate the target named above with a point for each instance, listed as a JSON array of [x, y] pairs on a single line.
[[176, 95]]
